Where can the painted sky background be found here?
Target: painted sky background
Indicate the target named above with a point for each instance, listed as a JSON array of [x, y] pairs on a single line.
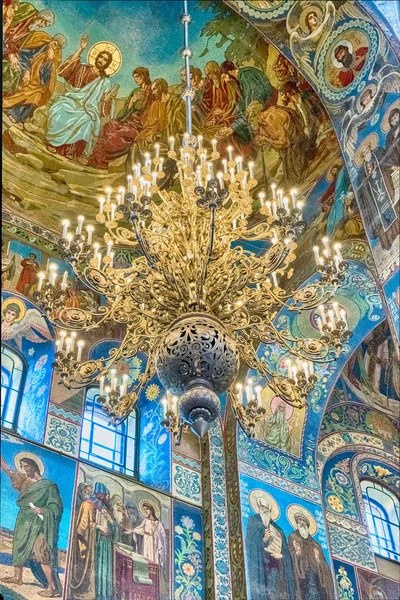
[[149, 34]]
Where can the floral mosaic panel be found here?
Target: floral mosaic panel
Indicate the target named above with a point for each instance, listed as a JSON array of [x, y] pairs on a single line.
[[186, 484], [345, 581], [188, 553], [62, 435]]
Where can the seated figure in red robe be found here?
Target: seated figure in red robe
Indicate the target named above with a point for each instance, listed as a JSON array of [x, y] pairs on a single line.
[[118, 135]]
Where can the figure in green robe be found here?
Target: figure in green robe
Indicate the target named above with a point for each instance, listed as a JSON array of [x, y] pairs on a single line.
[[35, 538], [278, 429], [91, 571]]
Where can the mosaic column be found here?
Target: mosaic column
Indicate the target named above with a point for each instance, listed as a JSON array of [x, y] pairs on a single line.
[[215, 516], [234, 511]]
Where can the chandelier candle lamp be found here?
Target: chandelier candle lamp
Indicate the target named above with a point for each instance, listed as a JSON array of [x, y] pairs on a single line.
[[196, 302]]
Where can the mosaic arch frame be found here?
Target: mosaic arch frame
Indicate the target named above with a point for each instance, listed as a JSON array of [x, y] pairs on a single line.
[[280, 24]]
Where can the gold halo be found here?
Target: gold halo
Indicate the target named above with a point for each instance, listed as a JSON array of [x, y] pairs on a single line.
[[293, 509], [370, 140], [16, 301], [370, 86], [329, 175], [153, 504], [253, 499], [349, 46], [18, 457], [108, 47], [304, 14], [385, 121]]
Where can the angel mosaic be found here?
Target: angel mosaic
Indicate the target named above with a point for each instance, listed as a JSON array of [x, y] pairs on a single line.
[[365, 106], [18, 322], [308, 25]]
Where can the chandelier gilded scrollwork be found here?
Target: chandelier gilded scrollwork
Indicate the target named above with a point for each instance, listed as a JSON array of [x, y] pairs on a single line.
[[196, 302]]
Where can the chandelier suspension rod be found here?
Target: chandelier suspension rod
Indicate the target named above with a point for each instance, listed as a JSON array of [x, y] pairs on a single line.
[[209, 255], [187, 53]]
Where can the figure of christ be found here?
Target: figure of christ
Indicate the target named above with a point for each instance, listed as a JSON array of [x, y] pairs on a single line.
[[40, 60], [269, 565], [74, 118], [312, 575], [28, 276], [35, 537], [352, 63], [118, 135], [92, 552]]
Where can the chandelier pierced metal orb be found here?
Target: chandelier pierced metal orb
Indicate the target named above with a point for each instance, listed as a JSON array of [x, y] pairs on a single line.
[[196, 302]]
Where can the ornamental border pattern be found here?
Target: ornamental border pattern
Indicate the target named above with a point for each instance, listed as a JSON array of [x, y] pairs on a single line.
[[349, 546], [223, 587], [207, 518], [279, 482], [345, 522], [234, 507]]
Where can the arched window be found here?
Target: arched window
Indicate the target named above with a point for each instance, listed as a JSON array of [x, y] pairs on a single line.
[[113, 447], [13, 370], [383, 511]]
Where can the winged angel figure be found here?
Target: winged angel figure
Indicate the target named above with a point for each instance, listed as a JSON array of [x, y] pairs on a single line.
[[19, 322], [309, 23], [364, 108]]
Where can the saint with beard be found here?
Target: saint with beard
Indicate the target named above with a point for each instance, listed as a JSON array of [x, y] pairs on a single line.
[[268, 559], [123, 522], [312, 575], [92, 555], [374, 192], [278, 428]]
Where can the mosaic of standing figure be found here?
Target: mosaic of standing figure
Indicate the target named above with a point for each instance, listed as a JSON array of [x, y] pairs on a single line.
[[35, 519], [121, 540], [285, 545]]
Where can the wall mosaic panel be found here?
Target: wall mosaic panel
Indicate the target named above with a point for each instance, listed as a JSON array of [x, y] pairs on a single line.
[[188, 553], [364, 307], [36, 489], [346, 581], [131, 557], [25, 329], [373, 585], [280, 530]]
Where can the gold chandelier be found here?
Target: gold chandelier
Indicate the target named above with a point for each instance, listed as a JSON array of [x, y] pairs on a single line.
[[196, 302]]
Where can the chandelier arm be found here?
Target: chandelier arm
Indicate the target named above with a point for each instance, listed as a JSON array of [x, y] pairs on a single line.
[[142, 245]]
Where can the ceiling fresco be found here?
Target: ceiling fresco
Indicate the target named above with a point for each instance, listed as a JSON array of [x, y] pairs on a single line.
[[248, 96], [343, 52]]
